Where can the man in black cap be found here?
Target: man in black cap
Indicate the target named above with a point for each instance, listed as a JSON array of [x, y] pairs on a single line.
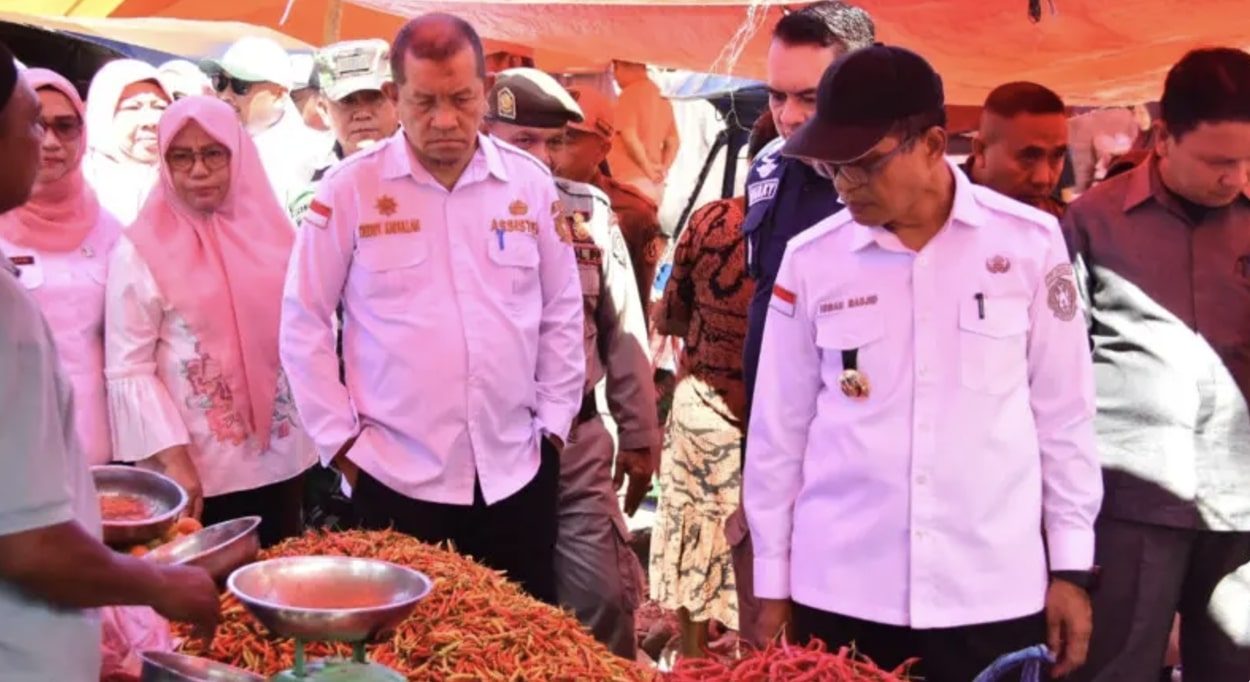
[[921, 443], [54, 570], [597, 575]]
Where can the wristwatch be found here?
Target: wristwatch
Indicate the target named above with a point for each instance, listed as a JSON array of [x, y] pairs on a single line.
[[1086, 580]]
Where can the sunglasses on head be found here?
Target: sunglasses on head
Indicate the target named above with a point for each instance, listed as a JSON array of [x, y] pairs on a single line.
[[222, 80]]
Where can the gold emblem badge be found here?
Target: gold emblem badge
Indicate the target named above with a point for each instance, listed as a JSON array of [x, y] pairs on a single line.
[[580, 231], [386, 206], [518, 208], [854, 384], [997, 264], [505, 104]]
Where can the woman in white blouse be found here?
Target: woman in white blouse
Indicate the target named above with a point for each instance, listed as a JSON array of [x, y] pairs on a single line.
[[60, 241], [124, 104], [194, 381]]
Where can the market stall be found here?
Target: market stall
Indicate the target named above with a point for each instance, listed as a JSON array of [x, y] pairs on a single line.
[[1092, 52]]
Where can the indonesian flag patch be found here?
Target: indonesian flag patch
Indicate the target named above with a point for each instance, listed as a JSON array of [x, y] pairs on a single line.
[[318, 215], [783, 300]]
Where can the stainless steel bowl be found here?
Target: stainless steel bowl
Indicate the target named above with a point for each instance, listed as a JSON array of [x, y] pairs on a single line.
[[166, 499], [163, 666], [329, 598], [218, 549]]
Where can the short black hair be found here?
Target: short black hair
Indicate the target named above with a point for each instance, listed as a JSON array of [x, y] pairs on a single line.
[[828, 23], [435, 36], [1209, 85], [1023, 97]]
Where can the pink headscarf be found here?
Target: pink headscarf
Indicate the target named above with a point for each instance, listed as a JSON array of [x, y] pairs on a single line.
[[59, 214], [223, 271]]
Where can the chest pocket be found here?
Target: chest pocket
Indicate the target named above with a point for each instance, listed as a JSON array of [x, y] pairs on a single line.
[[390, 269], [516, 266], [859, 330], [993, 347]]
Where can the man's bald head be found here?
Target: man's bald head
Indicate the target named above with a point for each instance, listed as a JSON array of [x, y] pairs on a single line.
[[436, 37], [1022, 144]]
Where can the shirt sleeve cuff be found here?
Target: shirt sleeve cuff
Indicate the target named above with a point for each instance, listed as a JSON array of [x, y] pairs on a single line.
[[1070, 549], [772, 578], [549, 423]]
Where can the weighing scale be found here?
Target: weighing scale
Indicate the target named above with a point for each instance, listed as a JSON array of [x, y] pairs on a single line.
[[330, 599]]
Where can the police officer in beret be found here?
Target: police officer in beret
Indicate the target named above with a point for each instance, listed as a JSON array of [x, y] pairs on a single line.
[[597, 575]]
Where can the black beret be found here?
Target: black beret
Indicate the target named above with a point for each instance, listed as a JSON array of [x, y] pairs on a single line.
[[531, 98], [8, 75]]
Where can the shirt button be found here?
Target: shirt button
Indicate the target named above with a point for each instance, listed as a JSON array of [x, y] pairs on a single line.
[[922, 479], [919, 534], [924, 370], [922, 261]]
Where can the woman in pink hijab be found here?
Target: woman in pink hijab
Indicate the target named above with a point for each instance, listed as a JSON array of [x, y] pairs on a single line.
[[60, 242], [124, 104], [195, 386]]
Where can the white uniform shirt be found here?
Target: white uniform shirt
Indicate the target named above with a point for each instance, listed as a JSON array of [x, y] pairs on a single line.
[[163, 391], [924, 504], [462, 341], [45, 482], [69, 288]]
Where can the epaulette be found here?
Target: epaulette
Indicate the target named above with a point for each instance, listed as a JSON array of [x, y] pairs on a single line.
[[358, 158], [820, 230], [517, 151], [583, 190], [999, 203]]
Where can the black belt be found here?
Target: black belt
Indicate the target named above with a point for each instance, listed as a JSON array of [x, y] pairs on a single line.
[[590, 408]]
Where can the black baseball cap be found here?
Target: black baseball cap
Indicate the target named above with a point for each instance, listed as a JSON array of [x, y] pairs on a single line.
[[861, 97]]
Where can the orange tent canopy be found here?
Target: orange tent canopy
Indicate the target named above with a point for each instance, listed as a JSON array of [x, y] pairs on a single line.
[[1097, 52]]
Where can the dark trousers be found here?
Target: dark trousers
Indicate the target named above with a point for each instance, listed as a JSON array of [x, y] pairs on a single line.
[[280, 507], [946, 654], [516, 535], [1150, 573]]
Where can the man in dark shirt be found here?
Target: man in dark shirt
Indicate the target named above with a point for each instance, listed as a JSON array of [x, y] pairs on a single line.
[[1021, 146], [784, 197], [1162, 257]]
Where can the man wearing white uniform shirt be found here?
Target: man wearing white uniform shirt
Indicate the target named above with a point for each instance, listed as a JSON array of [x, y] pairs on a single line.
[[462, 320], [54, 571], [924, 403], [255, 77]]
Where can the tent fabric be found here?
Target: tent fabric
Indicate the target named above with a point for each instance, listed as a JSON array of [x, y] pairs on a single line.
[[170, 36], [1094, 52]]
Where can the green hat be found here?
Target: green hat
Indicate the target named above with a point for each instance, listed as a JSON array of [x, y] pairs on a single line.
[[352, 66]]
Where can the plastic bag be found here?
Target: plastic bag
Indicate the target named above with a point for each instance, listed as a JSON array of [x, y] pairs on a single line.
[[128, 631]]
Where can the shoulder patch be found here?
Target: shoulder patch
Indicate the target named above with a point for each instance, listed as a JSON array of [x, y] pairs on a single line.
[[1061, 295], [318, 215]]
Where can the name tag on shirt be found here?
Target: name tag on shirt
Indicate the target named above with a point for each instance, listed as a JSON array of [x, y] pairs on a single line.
[[761, 191], [370, 230]]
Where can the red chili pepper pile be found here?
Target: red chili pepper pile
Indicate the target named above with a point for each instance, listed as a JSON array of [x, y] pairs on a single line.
[[474, 626], [784, 662]]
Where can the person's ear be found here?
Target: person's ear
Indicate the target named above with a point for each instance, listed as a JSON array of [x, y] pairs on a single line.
[[391, 92], [978, 150], [935, 142]]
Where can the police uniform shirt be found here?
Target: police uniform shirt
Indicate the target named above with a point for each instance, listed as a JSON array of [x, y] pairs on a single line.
[[922, 502], [784, 197], [615, 328], [462, 333]]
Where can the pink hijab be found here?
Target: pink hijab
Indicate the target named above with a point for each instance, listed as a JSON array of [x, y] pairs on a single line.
[[60, 214], [223, 271]]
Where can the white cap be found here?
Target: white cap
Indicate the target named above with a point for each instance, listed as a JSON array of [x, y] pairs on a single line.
[[256, 60], [301, 70]]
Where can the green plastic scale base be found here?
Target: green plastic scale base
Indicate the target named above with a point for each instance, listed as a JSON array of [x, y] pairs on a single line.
[[340, 670], [355, 669]]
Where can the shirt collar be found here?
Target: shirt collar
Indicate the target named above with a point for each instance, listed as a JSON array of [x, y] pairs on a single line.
[[1145, 183], [398, 160], [965, 210]]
